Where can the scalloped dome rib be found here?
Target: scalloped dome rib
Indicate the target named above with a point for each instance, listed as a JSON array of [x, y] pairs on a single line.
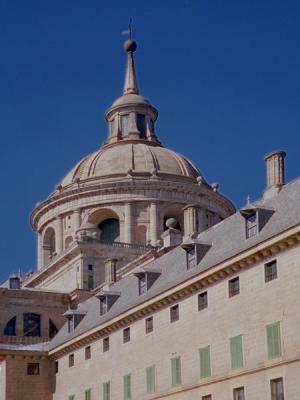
[[138, 157]]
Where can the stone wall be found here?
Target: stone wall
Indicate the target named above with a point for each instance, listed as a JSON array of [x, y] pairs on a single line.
[[247, 314]]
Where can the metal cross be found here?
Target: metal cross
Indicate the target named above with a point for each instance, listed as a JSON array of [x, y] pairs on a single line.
[[129, 30]]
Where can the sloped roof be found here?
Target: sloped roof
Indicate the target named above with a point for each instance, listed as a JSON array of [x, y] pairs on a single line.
[[228, 239]]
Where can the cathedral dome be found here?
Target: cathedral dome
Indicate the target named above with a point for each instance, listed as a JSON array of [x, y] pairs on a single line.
[[139, 158]]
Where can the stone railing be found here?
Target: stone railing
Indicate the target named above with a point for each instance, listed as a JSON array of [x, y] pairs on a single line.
[[23, 339]]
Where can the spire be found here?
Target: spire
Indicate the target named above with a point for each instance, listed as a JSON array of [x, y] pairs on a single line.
[[131, 85]]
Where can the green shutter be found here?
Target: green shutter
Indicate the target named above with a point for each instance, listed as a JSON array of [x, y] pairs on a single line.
[[72, 397], [274, 340], [88, 395], [127, 387], [205, 370], [176, 371], [236, 352], [150, 379], [106, 391]]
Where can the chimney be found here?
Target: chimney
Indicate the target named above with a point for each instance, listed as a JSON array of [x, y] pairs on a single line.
[[275, 173], [110, 270]]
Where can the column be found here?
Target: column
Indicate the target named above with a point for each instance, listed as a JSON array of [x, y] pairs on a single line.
[[128, 223], [153, 223], [59, 235], [39, 251], [77, 219], [191, 220]]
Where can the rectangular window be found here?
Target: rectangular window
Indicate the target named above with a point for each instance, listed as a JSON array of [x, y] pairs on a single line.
[[112, 126], [142, 284], [234, 286], [105, 344], [277, 392], [191, 258], [127, 387], [103, 305], [236, 352], [251, 225], [106, 391], [149, 325], [174, 313], [88, 352], [205, 370], [239, 394], [56, 367], [88, 394], [71, 360], [206, 397], [150, 379], [270, 271], [33, 369], [273, 340], [71, 397], [126, 335], [202, 301], [125, 124], [176, 371], [90, 280]]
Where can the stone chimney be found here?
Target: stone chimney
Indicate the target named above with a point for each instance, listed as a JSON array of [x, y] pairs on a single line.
[[275, 173], [110, 270]]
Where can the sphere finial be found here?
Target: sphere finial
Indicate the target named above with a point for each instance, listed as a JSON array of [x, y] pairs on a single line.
[[130, 46]]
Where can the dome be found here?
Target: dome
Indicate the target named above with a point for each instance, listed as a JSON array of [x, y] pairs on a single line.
[[130, 99], [137, 158]]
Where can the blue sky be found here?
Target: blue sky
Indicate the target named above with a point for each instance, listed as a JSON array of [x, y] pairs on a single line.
[[224, 76]]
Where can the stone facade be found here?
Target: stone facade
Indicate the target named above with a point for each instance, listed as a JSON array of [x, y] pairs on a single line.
[[157, 287]]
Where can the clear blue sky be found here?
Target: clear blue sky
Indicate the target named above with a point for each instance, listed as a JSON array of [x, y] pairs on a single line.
[[224, 76]]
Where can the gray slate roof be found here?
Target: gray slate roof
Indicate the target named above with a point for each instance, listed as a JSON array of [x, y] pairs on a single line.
[[227, 239]]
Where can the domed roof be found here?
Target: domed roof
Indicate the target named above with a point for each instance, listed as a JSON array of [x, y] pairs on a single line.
[[139, 158], [130, 99]]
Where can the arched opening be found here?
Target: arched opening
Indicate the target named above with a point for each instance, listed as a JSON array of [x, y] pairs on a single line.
[[48, 245], [10, 327], [31, 324], [68, 242], [52, 329], [110, 230]]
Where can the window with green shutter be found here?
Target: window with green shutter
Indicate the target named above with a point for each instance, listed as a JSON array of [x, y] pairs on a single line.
[[150, 379], [236, 352], [106, 391], [273, 340], [88, 394], [176, 371], [204, 354], [71, 397], [127, 387]]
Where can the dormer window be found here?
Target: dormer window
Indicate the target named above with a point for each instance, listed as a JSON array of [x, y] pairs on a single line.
[[142, 284], [125, 118], [74, 317], [103, 305], [146, 278], [251, 225], [141, 125], [107, 299], [195, 251]]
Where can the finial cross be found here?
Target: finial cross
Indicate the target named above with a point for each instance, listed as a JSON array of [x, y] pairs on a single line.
[[129, 30]]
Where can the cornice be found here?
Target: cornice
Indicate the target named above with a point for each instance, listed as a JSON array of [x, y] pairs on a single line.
[[129, 189], [203, 280]]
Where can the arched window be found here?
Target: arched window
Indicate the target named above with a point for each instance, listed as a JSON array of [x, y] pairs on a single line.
[[10, 327], [52, 329], [49, 245], [110, 230], [32, 324]]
